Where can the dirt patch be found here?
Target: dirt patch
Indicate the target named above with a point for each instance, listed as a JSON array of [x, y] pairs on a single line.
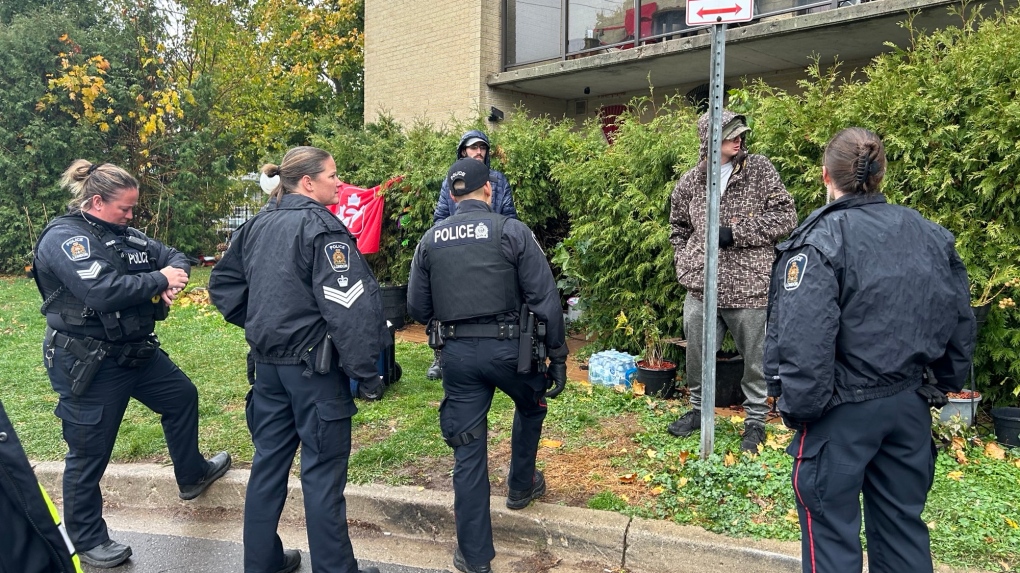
[[574, 475]]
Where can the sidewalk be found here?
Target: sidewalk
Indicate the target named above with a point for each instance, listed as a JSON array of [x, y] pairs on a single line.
[[572, 539]]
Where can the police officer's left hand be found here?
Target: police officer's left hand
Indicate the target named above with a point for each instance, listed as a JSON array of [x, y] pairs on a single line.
[[934, 396], [556, 377]]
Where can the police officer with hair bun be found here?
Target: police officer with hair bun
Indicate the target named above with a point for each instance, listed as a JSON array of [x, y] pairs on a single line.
[[104, 286], [474, 272], [310, 307], [865, 298]]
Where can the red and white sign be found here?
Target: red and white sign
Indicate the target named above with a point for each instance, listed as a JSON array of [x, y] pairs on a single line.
[[702, 12]]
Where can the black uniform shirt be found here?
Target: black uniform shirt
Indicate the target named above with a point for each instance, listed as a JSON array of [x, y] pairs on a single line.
[[521, 249], [864, 295], [293, 273]]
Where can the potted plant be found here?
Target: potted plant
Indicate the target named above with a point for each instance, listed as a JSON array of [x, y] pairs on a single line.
[[653, 371], [962, 404], [998, 282]]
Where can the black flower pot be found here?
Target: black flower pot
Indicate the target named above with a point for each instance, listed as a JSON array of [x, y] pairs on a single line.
[[394, 302], [729, 371], [981, 314], [659, 381], [1007, 426]]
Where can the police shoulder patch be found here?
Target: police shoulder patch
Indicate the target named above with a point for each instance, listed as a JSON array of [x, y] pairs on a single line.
[[338, 253], [77, 248], [795, 269]]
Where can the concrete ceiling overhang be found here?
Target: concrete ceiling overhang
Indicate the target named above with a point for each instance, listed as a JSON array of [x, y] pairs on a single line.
[[849, 34]]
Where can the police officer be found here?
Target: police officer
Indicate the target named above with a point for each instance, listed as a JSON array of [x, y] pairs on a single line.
[[473, 272], [104, 285], [475, 145], [32, 541], [864, 296], [312, 315]]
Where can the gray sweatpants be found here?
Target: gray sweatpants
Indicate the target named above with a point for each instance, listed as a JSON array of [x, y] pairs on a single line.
[[748, 328]]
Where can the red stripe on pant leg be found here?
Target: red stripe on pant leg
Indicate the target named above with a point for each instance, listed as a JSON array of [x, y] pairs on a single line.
[[796, 489]]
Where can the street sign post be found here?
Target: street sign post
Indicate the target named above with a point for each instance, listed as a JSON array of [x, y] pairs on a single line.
[[702, 12], [716, 13]]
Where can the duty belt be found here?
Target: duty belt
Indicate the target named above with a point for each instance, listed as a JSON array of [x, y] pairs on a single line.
[[499, 331], [78, 346]]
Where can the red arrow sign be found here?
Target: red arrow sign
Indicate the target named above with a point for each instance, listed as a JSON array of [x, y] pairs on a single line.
[[705, 12], [734, 10]]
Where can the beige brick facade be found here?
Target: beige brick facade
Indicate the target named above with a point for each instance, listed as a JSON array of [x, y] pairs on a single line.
[[429, 60]]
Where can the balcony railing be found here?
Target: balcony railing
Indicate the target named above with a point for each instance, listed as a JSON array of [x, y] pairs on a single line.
[[538, 31]]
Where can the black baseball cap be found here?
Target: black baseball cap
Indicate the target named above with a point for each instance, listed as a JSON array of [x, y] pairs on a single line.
[[467, 175]]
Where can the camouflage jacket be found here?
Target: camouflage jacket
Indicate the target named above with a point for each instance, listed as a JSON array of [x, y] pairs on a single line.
[[758, 208]]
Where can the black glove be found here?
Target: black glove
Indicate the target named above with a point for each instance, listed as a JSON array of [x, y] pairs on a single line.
[[725, 237], [935, 397], [556, 376]]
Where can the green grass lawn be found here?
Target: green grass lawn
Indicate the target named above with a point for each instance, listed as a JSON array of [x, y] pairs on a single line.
[[605, 449]]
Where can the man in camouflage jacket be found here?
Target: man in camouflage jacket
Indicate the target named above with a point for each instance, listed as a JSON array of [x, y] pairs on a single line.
[[755, 211]]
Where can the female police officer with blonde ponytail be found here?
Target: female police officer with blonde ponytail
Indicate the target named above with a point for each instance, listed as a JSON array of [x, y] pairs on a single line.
[[864, 296], [104, 285], [312, 314]]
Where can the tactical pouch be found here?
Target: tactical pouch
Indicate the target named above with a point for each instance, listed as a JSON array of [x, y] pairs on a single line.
[[324, 356], [436, 340], [136, 354], [527, 326]]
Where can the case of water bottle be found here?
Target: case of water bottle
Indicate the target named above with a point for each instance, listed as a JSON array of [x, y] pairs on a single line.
[[611, 368]]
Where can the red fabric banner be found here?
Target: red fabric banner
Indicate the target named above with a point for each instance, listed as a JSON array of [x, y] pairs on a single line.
[[361, 210]]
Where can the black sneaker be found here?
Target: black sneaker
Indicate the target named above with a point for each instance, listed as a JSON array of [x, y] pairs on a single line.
[[106, 555], [686, 425], [218, 465], [754, 436], [461, 565], [519, 499], [291, 561], [436, 370]]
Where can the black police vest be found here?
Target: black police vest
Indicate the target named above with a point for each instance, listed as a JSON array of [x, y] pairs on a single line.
[[129, 255], [468, 274]]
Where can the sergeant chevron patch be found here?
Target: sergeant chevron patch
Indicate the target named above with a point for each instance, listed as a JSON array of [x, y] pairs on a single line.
[[91, 272], [344, 299]]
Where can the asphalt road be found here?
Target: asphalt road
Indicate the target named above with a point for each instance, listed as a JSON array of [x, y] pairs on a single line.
[[158, 553]]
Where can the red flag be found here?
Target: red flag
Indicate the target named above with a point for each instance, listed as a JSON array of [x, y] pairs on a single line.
[[361, 210]]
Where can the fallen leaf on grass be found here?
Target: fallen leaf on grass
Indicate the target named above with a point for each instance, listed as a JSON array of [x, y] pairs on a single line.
[[627, 478], [961, 458], [729, 460], [547, 443], [995, 452], [1011, 522], [958, 443], [682, 482], [657, 490], [736, 420], [931, 525], [651, 453], [955, 475], [638, 388], [792, 516], [683, 457]]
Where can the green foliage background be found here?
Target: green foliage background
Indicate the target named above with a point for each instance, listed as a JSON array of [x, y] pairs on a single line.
[[946, 108]]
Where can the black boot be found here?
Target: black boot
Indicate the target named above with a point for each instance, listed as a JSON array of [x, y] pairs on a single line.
[[436, 370]]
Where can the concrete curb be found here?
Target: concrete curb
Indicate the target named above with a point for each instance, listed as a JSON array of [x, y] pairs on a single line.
[[570, 533]]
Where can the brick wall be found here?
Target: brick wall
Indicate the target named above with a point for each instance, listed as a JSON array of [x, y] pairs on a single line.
[[422, 58], [430, 60]]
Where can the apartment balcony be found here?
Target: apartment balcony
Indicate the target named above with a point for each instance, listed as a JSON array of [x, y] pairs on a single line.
[[560, 48]]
